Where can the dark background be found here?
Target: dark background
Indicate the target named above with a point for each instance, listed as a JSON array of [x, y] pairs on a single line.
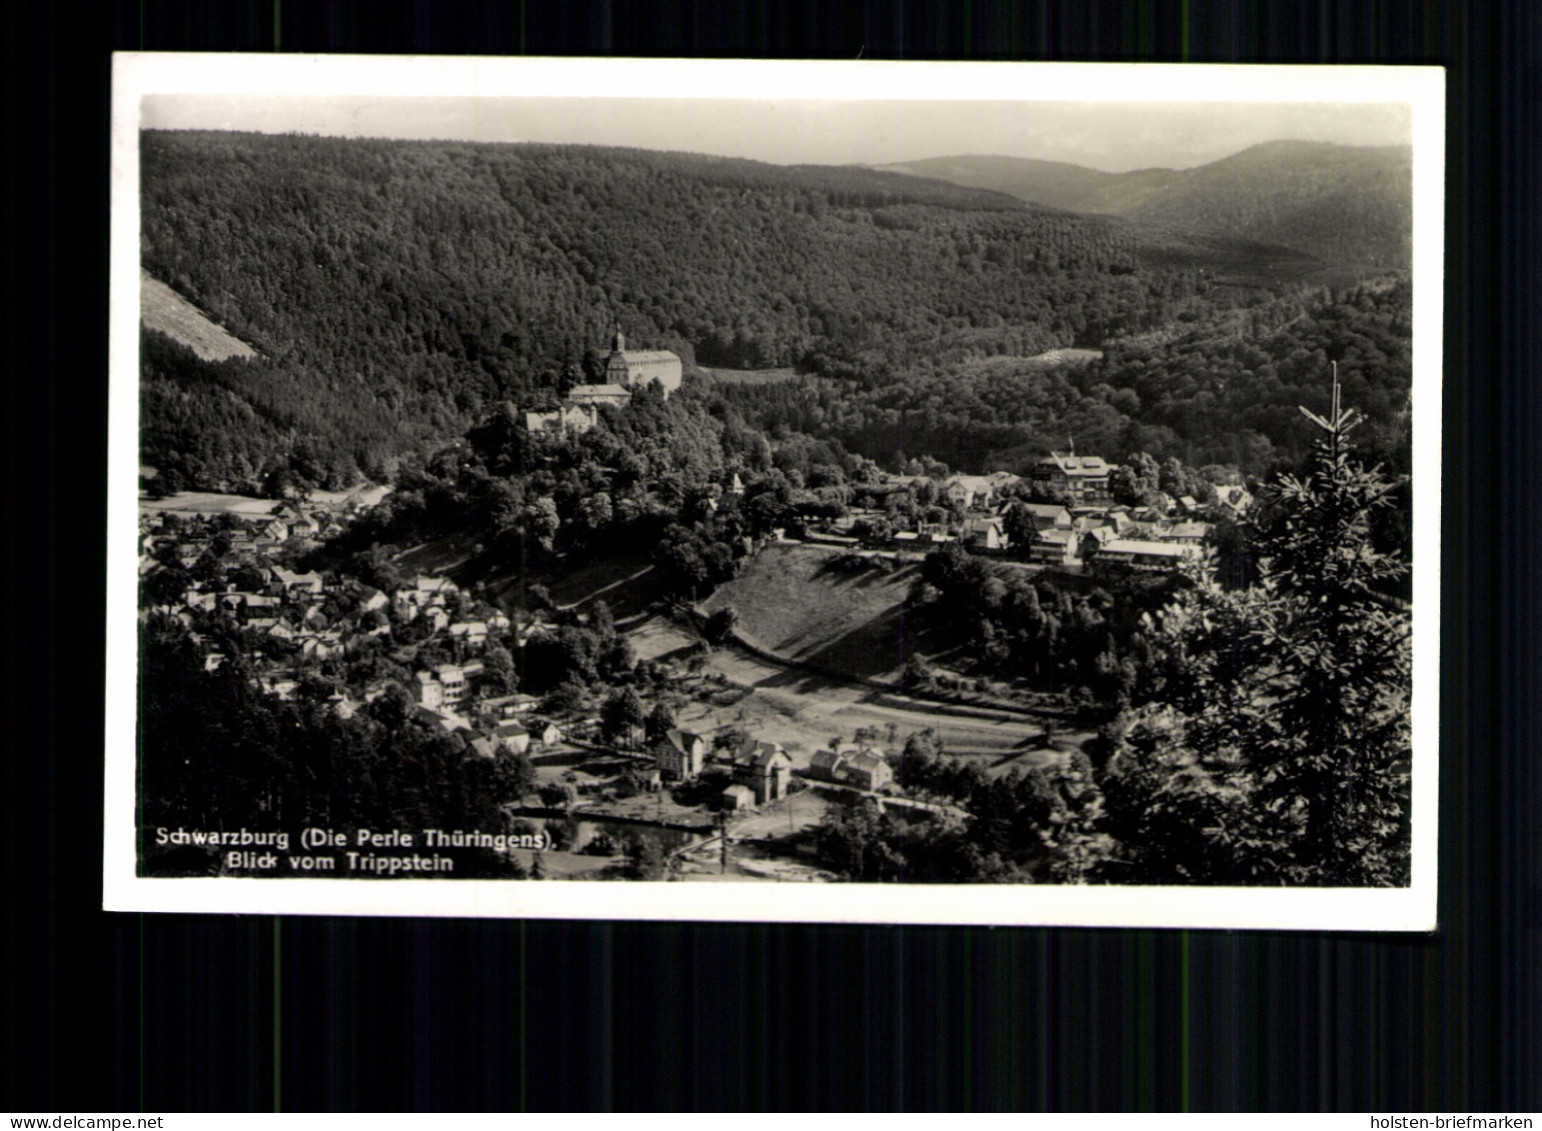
[[165, 1013]]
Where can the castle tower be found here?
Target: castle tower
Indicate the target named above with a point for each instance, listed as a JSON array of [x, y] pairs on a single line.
[[632, 369]]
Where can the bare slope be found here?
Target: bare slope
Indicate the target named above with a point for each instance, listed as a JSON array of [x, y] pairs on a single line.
[[793, 600], [162, 309]]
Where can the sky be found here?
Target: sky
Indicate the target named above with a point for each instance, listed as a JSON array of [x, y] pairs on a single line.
[[1111, 135]]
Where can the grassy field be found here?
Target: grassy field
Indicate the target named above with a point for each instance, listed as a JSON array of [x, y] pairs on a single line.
[[627, 583], [804, 710], [656, 637], [1049, 359], [161, 308], [749, 376], [249, 506], [436, 556], [793, 600]]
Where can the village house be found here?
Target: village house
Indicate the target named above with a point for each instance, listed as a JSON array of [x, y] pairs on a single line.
[[1187, 533], [321, 645], [426, 588], [867, 770], [763, 768], [649, 778], [1118, 519], [304, 527], [1126, 553], [681, 754], [472, 633], [499, 706], [1082, 479], [930, 534], [295, 583], [234, 600], [1235, 499], [444, 720], [1047, 516], [858, 767], [1056, 547], [738, 797], [441, 689], [985, 533], [512, 736], [970, 492]]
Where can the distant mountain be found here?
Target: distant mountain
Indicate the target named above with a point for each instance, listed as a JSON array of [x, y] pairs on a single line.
[[1349, 206], [1056, 184]]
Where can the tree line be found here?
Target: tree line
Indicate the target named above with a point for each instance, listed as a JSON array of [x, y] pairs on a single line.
[[1220, 388]]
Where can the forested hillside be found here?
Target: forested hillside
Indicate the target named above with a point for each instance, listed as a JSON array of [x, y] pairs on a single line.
[[1220, 389], [1349, 206], [394, 290]]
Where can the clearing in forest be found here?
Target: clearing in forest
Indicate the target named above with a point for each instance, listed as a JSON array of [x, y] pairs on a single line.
[[800, 603], [163, 309]]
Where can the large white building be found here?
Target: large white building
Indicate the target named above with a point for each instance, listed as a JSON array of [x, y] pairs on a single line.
[[632, 369]]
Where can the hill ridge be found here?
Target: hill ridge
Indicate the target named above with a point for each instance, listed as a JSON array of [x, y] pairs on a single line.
[[1345, 204]]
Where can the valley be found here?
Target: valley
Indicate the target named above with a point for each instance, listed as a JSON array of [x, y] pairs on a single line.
[[882, 525]]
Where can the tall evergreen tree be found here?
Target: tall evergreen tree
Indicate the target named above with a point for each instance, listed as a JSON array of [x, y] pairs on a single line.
[[1283, 752]]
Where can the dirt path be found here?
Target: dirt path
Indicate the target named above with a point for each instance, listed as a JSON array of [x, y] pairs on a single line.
[[586, 598]]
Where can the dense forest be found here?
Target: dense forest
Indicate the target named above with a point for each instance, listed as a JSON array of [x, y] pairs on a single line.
[[395, 290], [1218, 389]]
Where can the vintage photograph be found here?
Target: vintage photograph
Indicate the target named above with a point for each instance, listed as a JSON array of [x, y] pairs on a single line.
[[879, 492]]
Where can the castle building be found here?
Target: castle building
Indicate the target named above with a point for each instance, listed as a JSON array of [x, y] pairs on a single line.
[[617, 395], [632, 369], [625, 372], [571, 418]]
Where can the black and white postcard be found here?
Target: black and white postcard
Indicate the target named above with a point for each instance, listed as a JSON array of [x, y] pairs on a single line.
[[858, 492]]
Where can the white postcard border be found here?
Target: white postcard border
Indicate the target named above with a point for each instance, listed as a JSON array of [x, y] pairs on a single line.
[[139, 75]]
